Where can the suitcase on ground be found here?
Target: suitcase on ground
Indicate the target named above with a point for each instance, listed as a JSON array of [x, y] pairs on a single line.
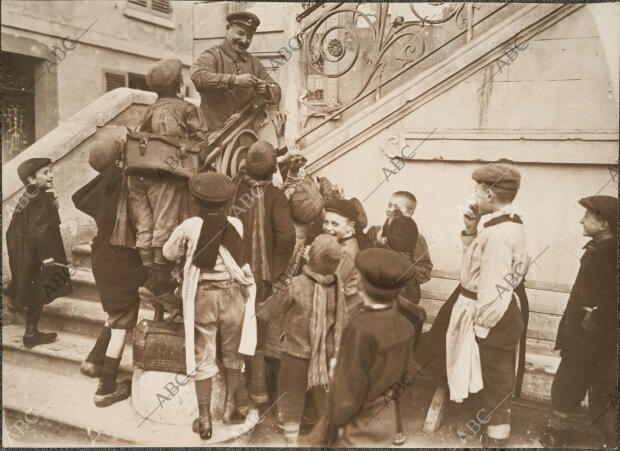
[[151, 154], [159, 346]]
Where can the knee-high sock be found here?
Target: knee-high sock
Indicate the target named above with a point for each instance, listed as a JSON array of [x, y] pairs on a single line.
[[32, 319], [203, 392], [116, 344], [107, 380], [101, 345]]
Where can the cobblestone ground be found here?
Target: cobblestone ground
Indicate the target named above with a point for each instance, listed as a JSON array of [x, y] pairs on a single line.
[[529, 420]]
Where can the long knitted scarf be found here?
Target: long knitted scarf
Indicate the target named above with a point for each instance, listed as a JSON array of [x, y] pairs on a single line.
[[318, 374], [258, 257]]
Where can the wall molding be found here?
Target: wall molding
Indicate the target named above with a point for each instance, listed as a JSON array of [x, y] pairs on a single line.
[[593, 147]]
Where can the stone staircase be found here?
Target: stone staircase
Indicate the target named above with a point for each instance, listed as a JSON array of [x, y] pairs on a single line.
[[46, 399], [44, 383]]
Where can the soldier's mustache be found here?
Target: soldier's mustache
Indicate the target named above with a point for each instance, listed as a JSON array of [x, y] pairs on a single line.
[[242, 44]]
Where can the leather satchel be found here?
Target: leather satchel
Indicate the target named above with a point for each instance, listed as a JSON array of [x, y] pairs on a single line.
[[159, 346], [151, 154]]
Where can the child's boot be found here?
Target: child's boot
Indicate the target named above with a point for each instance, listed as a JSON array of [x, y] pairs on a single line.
[[160, 281], [91, 367], [237, 402], [258, 388], [33, 336], [202, 425], [109, 392]]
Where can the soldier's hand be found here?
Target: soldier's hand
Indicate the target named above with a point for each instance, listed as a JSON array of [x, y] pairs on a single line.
[[261, 87], [245, 81]]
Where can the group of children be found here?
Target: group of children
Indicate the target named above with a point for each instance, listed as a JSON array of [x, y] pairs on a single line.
[[309, 309]]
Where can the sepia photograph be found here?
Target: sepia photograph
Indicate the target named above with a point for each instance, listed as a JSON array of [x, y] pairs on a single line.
[[309, 224]]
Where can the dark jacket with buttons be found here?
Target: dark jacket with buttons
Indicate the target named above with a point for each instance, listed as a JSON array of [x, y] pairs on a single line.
[[595, 286], [212, 75]]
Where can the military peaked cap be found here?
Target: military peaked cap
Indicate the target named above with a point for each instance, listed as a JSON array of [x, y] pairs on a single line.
[[245, 19], [384, 272]]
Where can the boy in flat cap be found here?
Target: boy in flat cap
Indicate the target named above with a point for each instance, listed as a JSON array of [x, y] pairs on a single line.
[[269, 240], [404, 203], [587, 334], [480, 327], [217, 286], [339, 220], [314, 312], [228, 77], [117, 270], [375, 352], [33, 236], [159, 202]]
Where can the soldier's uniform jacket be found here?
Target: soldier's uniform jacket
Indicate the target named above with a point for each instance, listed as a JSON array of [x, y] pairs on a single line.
[[595, 286], [212, 75]]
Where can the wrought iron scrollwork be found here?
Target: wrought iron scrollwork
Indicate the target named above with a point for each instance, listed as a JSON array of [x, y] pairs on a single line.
[[335, 38]]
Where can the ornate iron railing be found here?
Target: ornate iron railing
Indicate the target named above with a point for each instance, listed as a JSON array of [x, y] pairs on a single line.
[[334, 37]]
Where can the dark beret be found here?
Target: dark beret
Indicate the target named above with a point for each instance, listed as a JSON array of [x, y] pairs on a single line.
[[384, 272], [324, 254], [245, 19], [103, 153], [498, 175], [342, 207], [605, 206], [402, 234], [362, 219], [212, 187], [261, 160], [30, 167], [164, 75]]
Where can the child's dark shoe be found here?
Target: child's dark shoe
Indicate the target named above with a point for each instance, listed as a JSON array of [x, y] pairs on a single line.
[[39, 338], [104, 397]]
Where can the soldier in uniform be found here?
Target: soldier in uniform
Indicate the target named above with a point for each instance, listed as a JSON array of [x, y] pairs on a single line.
[[228, 77], [587, 333], [375, 352]]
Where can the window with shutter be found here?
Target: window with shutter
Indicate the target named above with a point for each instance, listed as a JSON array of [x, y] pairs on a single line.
[[154, 6], [113, 81], [137, 81], [162, 6]]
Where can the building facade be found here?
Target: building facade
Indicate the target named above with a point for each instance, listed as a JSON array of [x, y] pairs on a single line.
[[59, 56]]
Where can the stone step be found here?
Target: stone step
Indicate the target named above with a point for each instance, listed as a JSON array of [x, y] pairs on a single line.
[[78, 316], [32, 395], [81, 255], [85, 318], [64, 356]]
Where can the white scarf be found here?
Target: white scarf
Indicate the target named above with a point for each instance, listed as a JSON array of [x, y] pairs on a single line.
[[190, 287]]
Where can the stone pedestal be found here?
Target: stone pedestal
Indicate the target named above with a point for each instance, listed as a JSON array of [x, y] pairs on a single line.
[[162, 398]]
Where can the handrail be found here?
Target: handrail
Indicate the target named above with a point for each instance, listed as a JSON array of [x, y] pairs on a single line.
[[406, 68]]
